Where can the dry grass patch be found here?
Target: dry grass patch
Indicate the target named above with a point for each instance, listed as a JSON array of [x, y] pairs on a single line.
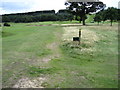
[[69, 33], [88, 37]]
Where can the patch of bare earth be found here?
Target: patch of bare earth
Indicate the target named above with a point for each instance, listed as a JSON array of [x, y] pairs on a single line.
[[27, 83], [55, 52], [54, 47]]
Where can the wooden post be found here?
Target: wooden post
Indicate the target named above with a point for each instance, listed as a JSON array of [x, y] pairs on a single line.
[[79, 36]]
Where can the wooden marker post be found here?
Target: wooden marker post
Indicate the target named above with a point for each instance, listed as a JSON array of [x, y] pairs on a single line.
[[79, 36]]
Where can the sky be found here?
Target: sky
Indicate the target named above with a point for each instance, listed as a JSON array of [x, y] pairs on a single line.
[[18, 6]]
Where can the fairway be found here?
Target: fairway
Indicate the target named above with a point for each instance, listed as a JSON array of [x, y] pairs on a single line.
[[43, 55]]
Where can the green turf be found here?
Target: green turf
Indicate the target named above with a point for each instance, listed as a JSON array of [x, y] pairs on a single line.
[[24, 46]]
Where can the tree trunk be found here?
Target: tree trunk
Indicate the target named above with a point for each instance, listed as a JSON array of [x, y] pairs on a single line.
[[98, 23], [83, 21], [79, 36], [111, 23]]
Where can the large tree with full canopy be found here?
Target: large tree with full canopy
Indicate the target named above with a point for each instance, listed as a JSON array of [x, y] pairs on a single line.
[[81, 7]]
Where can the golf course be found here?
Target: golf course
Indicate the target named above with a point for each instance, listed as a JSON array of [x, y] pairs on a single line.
[[44, 55]]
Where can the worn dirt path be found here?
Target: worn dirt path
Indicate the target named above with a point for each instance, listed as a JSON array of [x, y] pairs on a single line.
[[36, 82]]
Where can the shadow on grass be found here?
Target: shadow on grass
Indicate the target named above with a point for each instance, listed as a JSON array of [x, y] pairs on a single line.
[[6, 34]]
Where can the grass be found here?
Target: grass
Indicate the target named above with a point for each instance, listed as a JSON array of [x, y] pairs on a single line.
[[24, 47], [53, 22], [90, 18], [36, 71], [93, 64]]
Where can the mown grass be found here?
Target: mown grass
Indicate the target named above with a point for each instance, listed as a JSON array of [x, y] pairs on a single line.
[[37, 71], [85, 66], [23, 46]]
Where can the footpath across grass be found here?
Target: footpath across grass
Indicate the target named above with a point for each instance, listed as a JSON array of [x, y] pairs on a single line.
[[22, 47]]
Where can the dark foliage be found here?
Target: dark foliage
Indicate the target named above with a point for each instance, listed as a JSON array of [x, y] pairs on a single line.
[[112, 14], [81, 9], [98, 17], [6, 24], [38, 16]]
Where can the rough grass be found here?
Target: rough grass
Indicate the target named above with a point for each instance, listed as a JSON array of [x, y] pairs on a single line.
[[93, 64]]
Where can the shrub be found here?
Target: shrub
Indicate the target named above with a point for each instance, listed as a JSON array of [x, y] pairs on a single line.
[[6, 24]]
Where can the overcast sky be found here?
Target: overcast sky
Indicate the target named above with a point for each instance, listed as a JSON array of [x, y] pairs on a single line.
[[17, 6]]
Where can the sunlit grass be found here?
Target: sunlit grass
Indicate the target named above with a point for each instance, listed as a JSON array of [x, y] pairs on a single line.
[[93, 64]]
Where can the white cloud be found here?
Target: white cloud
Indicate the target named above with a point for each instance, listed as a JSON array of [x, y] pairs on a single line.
[[111, 3], [48, 5], [119, 5], [37, 5]]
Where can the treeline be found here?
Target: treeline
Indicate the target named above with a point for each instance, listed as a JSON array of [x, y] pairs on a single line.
[[112, 14], [38, 16]]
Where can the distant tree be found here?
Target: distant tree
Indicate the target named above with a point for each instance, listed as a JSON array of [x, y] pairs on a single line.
[[98, 18], [118, 17], [112, 14], [64, 15], [36, 18], [48, 17], [103, 15], [5, 19], [63, 11], [83, 8]]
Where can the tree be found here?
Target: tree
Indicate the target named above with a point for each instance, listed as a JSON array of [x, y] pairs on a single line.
[[103, 15], [112, 14], [118, 17], [83, 8], [5, 19], [64, 15], [98, 18]]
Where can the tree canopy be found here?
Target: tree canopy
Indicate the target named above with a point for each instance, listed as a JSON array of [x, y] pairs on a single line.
[[83, 8], [110, 13], [98, 18], [38, 16]]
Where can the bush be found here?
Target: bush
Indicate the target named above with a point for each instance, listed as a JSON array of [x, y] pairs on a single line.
[[6, 24]]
